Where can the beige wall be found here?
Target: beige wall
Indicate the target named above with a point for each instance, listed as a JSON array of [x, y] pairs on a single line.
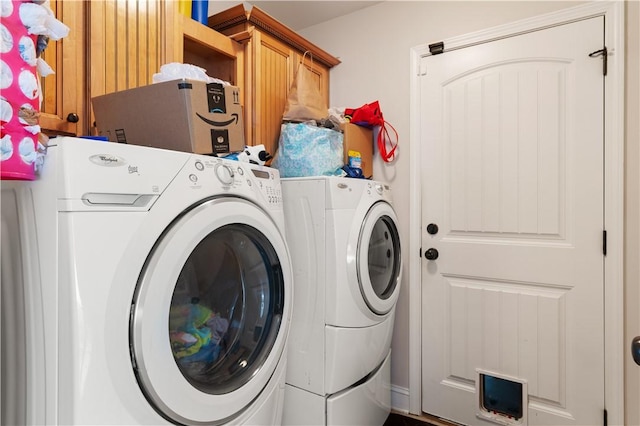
[[374, 46]]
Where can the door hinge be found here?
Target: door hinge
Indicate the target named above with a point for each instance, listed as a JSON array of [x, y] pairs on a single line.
[[604, 242], [604, 417], [605, 54], [436, 48], [422, 66]]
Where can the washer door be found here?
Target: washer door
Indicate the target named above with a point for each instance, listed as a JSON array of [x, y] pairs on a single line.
[[208, 320], [379, 262]]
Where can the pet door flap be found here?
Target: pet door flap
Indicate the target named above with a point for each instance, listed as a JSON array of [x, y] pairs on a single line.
[[501, 399]]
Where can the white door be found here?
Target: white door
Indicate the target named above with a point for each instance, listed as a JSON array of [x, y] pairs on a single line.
[[512, 143]]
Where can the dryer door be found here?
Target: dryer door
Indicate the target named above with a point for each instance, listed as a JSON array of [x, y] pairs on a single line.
[[379, 262], [209, 317]]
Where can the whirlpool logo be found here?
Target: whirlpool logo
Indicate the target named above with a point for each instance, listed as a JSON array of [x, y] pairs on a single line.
[[107, 160]]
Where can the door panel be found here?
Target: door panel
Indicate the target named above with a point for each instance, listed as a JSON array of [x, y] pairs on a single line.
[[520, 193], [513, 176]]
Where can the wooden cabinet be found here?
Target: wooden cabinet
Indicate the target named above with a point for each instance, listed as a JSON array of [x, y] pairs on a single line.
[[111, 46], [119, 44], [125, 44], [64, 93], [270, 77], [115, 45], [272, 54], [196, 44]]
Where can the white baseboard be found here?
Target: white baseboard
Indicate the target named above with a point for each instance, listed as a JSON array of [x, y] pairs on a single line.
[[399, 399]]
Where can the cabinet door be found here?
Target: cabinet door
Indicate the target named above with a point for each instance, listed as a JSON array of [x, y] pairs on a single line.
[[272, 76], [275, 66], [126, 43], [63, 93], [124, 50]]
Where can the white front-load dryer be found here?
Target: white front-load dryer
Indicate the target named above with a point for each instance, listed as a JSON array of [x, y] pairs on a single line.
[[363, 235], [345, 246], [143, 286]]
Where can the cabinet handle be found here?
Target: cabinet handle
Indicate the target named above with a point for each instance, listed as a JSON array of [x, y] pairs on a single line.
[[73, 117]]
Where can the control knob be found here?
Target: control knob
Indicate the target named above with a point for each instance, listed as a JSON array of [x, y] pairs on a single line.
[[224, 174]]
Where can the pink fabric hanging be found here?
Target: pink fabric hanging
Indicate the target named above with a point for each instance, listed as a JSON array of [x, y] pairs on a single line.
[[19, 101]]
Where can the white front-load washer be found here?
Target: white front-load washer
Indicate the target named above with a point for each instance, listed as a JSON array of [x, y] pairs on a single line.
[[143, 286], [345, 250]]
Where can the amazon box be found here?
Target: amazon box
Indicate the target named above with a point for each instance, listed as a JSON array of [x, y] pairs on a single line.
[[181, 115]]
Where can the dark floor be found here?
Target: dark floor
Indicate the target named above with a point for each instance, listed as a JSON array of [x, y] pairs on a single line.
[[395, 419], [399, 419]]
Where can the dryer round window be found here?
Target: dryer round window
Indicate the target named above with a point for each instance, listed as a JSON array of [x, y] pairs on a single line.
[[384, 257], [378, 264]]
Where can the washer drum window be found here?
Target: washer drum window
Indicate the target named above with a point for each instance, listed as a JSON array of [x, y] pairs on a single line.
[[226, 309], [209, 317]]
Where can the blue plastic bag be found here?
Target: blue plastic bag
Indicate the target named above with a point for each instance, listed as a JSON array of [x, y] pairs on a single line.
[[306, 150]]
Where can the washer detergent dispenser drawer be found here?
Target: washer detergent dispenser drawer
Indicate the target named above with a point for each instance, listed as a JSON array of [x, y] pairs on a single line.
[[130, 181]]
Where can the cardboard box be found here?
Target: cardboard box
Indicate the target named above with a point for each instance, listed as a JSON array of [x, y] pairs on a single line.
[[359, 140], [181, 115]]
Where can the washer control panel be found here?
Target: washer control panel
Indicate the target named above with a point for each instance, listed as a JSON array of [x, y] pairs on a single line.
[[224, 173], [235, 175]]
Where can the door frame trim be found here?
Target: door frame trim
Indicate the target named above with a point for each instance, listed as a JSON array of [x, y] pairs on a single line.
[[613, 12]]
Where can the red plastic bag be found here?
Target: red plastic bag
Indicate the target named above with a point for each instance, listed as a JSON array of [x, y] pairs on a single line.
[[370, 115]]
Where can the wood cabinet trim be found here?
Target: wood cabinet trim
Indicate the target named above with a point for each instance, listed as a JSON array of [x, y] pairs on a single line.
[[229, 18], [242, 37], [210, 38], [260, 19]]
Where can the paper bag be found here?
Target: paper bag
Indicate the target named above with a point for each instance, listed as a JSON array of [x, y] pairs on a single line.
[[305, 102]]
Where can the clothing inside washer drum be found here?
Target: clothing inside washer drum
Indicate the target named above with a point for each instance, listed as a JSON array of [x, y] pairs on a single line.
[[226, 309]]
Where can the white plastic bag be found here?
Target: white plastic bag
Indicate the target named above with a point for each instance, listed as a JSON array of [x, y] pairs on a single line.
[[176, 70]]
